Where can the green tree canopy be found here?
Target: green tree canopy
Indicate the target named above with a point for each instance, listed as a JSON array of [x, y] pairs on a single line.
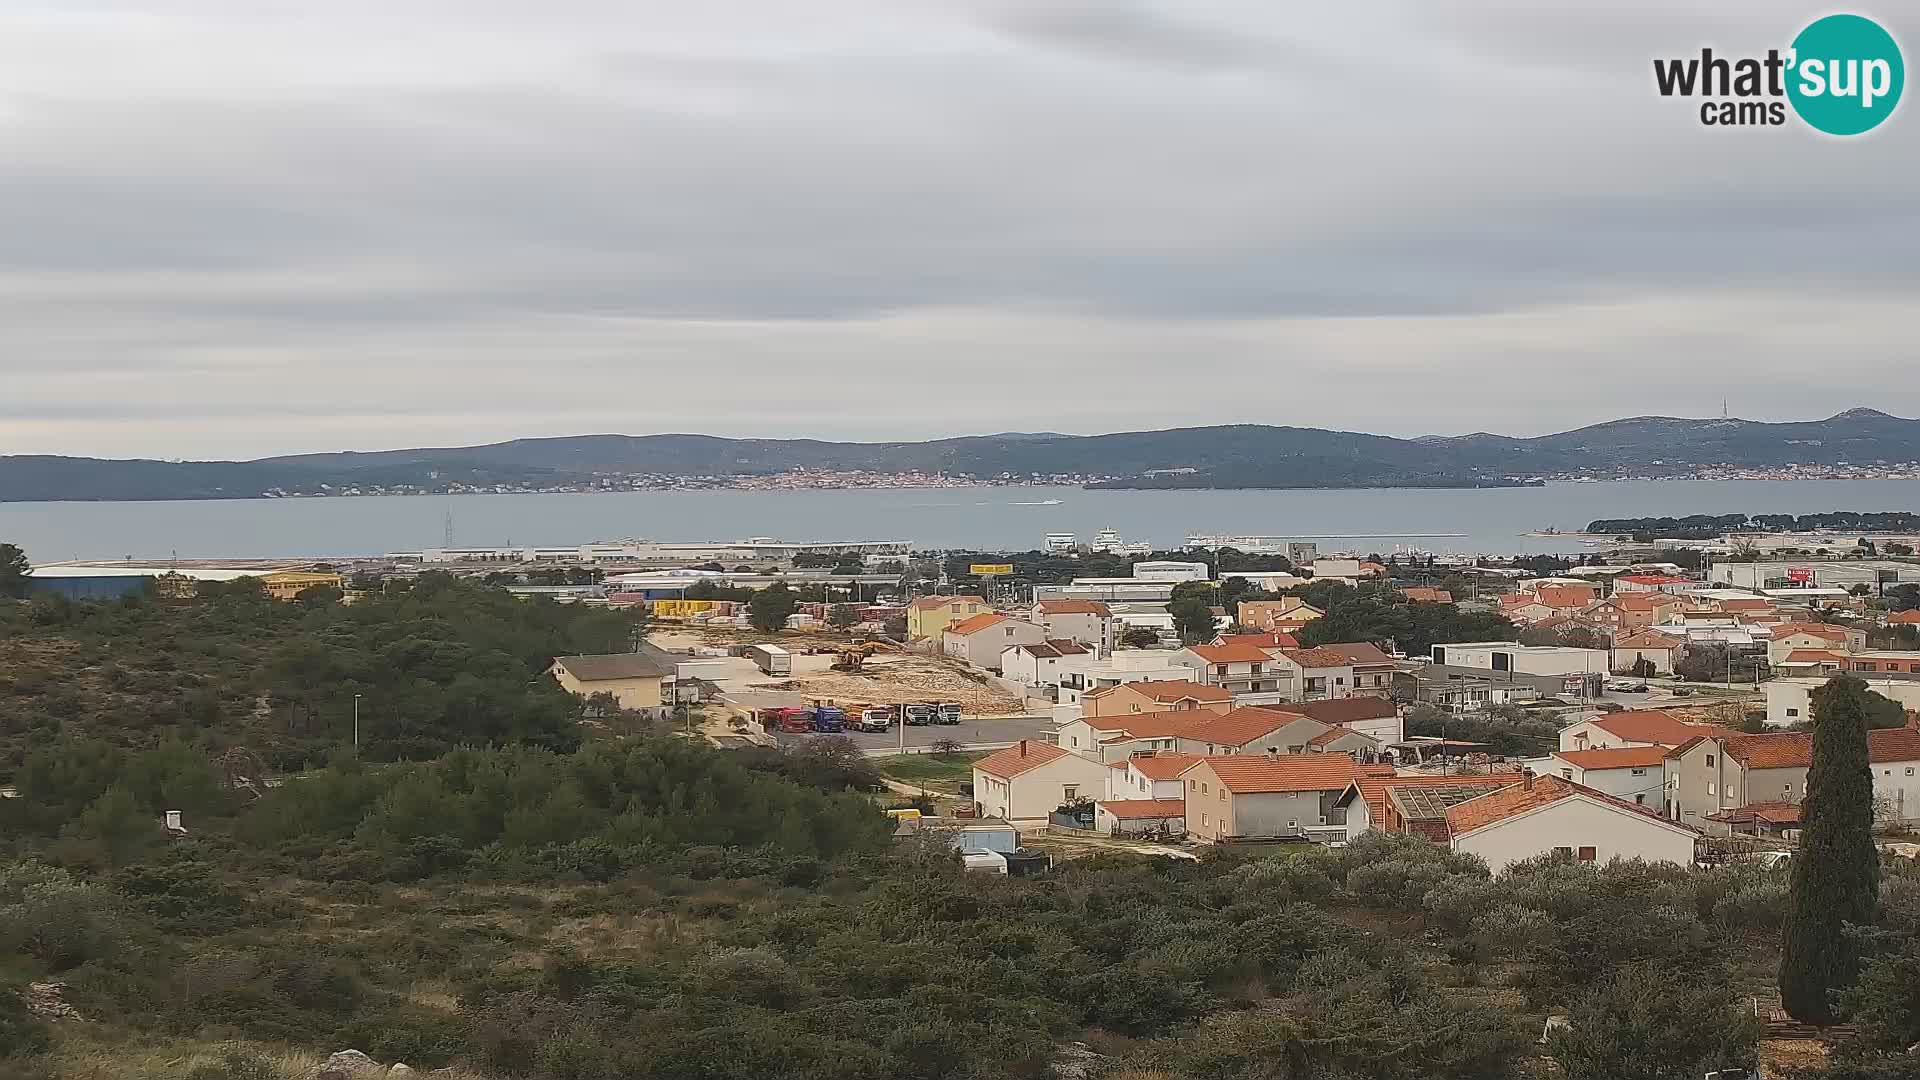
[[771, 607], [14, 571], [1836, 874]]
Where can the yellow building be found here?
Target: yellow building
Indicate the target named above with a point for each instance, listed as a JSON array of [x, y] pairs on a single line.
[[289, 584], [929, 616], [634, 679]]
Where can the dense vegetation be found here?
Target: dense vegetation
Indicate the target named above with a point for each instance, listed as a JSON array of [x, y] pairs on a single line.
[[549, 900], [433, 666], [1710, 526], [1377, 614]]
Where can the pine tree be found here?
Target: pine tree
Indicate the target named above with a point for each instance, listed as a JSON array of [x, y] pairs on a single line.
[[1836, 874], [15, 570]]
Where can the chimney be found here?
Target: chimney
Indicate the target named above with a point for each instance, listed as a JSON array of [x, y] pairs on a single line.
[[1023, 748], [1526, 779]]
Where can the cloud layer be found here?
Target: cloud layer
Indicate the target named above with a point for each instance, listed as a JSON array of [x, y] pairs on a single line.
[[240, 227]]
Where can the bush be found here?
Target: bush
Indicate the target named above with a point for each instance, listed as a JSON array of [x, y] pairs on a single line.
[[21, 1033]]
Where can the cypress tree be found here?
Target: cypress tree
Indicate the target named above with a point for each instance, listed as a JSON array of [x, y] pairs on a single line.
[[1836, 873]]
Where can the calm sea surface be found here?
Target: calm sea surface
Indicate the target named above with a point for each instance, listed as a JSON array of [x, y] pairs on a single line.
[[1492, 521]]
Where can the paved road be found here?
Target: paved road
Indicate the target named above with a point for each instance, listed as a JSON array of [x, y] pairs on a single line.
[[985, 733]]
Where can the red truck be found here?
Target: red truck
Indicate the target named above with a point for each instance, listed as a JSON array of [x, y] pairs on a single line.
[[791, 719]]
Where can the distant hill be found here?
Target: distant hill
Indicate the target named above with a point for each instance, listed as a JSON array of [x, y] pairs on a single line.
[[1231, 456]]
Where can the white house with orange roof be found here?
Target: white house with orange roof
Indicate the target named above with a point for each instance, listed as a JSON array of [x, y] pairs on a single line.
[[1238, 669], [1636, 727], [1549, 815], [982, 639], [1149, 775], [1791, 637], [1248, 796], [1634, 773], [1653, 646], [1153, 695], [1029, 780], [1088, 622]]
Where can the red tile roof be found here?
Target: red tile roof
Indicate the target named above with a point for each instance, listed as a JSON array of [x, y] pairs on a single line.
[[1902, 618], [1640, 601], [1652, 726], [1342, 711], [1819, 630], [1331, 735], [1566, 596], [1757, 603], [1023, 756], [1055, 647], [1239, 727], [1654, 579], [1497, 806], [1358, 653], [1420, 594], [1648, 639], [1322, 657], [1251, 774], [1813, 656], [1075, 607], [1170, 690], [1165, 765], [1772, 813], [1623, 757], [1229, 654], [1147, 725], [1135, 809], [1794, 749], [976, 623]]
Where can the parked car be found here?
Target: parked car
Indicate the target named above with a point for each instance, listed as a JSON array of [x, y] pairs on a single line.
[[921, 715], [949, 712]]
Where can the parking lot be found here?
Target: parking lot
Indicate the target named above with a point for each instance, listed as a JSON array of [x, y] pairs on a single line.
[[972, 734]]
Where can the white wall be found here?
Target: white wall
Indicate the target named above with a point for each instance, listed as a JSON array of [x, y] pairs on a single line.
[[1575, 822], [1037, 792], [1644, 784]]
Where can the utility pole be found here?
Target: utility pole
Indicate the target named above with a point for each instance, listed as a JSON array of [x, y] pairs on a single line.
[[356, 723]]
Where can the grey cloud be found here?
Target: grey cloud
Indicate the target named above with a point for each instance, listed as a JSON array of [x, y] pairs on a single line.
[[494, 218]]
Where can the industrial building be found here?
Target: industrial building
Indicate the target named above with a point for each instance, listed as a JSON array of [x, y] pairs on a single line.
[[1815, 573]]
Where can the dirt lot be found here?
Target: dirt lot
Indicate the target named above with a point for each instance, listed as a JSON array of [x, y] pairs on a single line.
[[907, 680]]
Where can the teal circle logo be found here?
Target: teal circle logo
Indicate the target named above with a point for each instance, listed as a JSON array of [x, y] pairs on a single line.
[[1845, 75]]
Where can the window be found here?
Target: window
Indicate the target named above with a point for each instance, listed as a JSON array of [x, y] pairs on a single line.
[[1639, 772], [1640, 798], [1191, 784], [1909, 770], [1588, 854], [1068, 791], [1710, 790], [1223, 794], [1793, 712], [1709, 761], [1204, 790], [1203, 819], [1566, 774], [1563, 851]]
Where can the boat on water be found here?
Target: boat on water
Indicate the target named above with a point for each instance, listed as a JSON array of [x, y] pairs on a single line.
[[1041, 502]]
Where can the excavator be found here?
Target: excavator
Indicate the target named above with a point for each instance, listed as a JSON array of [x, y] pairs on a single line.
[[855, 657]]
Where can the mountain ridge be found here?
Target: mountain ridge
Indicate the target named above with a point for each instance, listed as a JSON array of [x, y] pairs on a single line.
[[1217, 456]]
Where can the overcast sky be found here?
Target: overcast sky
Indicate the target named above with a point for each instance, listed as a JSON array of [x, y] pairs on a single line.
[[243, 227]]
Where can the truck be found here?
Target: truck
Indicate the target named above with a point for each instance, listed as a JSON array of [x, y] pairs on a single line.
[[920, 715], [829, 720], [949, 713], [876, 718], [791, 720], [771, 659]]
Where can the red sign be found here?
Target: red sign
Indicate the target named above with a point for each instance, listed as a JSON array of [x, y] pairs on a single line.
[[1801, 574]]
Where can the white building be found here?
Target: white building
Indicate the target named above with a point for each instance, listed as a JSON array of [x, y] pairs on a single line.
[[1524, 659], [1029, 780], [1347, 570], [1269, 580], [1059, 541], [982, 639], [1170, 571], [1550, 814], [1636, 774], [1039, 664], [1088, 622], [1790, 701], [1082, 674]]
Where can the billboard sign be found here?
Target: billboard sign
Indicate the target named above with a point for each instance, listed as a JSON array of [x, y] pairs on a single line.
[[990, 569], [1800, 575]]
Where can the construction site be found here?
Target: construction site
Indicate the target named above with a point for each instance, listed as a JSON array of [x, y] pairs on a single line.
[[831, 667]]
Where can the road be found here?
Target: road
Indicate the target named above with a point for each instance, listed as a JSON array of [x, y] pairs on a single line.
[[984, 733]]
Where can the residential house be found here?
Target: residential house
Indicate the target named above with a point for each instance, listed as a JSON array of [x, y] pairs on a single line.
[[1634, 773], [1870, 662], [1652, 646], [1247, 796], [1255, 731], [1623, 613], [982, 639], [1421, 594], [1524, 609], [1644, 584], [633, 679], [1632, 727], [1039, 664], [1710, 775], [1810, 664], [1790, 699], [1320, 673], [1357, 745], [929, 616], [1802, 636], [1550, 814], [1029, 780], [1154, 695], [1371, 670], [1266, 639], [1108, 739], [1140, 817], [1287, 613], [1239, 669], [1149, 775], [1083, 674], [1088, 622], [1378, 718], [1370, 807]]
